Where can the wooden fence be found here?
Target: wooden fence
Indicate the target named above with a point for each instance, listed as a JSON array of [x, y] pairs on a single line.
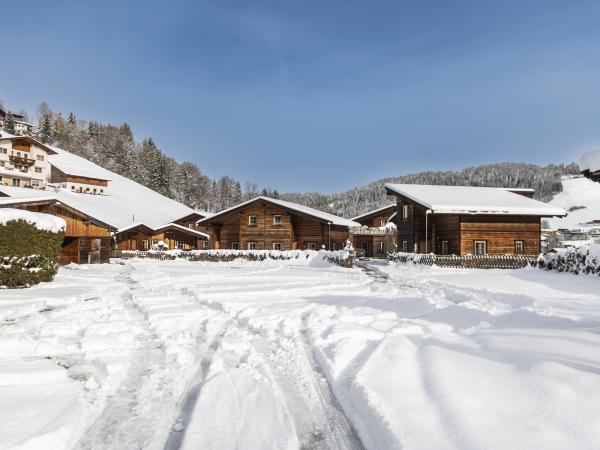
[[468, 261], [343, 259]]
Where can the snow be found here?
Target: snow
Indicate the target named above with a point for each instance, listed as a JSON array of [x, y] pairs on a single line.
[[590, 161], [577, 192], [45, 222], [473, 200], [282, 354], [128, 203], [335, 220], [375, 211]]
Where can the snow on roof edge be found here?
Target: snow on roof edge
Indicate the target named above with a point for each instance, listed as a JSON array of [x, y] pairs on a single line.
[[375, 211]]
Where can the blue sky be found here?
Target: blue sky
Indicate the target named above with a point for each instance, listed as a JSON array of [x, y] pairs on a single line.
[[321, 95]]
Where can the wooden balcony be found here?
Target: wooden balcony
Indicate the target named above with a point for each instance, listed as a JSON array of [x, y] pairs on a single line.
[[22, 160]]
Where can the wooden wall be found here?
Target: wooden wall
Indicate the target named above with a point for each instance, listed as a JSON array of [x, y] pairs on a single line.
[[375, 221], [57, 176], [500, 233], [132, 240], [77, 226], [295, 231]]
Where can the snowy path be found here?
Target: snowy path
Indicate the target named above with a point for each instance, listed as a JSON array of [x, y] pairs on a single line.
[[178, 355]]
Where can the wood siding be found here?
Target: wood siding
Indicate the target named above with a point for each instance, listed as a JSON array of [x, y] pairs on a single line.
[[500, 233], [132, 240], [57, 176], [295, 232]]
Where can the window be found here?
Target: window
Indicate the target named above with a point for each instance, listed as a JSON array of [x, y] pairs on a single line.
[[382, 247], [277, 245], [2, 163], [480, 247], [38, 170], [181, 245], [102, 191], [252, 221], [277, 220], [235, 245], [3, 150], [205, 244], [252, 245], [382, 222], [405, 246], [145, 244], [444, 247], [40, 157], [94, 190], [16, 182], [311, 246], [72, 187], [404, 212], [518, 246], [365, 245]]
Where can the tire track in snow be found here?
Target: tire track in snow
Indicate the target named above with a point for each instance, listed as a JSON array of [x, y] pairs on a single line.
[[320, 420]]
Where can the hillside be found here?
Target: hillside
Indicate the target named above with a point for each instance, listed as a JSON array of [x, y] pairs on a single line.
[[546, 180], [581, 198]]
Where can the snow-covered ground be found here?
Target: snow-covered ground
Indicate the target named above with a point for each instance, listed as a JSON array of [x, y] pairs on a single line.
[[275, 355], [581, 198]]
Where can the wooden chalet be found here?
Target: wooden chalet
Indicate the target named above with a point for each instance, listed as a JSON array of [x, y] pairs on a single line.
[[191, 220], [171, 236], [373, 238], [463, 220], [265, 223], [87, 240]]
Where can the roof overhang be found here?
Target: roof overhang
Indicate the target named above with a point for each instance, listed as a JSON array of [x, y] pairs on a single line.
[[51, 201]]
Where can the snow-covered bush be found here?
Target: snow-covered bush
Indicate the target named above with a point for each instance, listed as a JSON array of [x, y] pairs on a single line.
[[29, 247], [490, 261], [584, 259]]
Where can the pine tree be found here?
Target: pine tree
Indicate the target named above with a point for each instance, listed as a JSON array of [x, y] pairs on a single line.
[[44, 128], [9, 123]]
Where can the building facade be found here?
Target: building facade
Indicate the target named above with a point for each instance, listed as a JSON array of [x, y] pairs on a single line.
[[23, 162], [78, 183], [375, 238], [168, 237], [265, 223], [463, 220]]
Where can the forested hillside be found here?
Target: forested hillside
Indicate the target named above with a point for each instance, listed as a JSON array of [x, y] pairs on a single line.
[[544, 179], [114, 148]]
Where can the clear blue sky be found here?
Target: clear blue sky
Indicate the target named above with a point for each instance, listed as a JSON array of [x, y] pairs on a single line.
[[318, 95]]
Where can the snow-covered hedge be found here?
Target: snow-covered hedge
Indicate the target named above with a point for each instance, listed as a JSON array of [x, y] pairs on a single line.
[[584, 259], [29, 247], [342, 258]]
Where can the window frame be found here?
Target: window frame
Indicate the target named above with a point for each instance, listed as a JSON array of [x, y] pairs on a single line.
[[180, 245], [520, 243], [252, 244], [275, 223], [145, 244], [444, 248], [404, 212], [235, 245], [277, 244], [311, 246], [484, 248], [205, 245], [252, 221], [404, 246], [382, 222]]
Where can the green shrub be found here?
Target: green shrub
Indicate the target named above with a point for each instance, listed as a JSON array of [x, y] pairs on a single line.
[[28, 256]]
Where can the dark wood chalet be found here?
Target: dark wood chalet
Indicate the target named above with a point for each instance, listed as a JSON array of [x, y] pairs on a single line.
[[87, 240], [465, 220], [265, 223], [172, 235], [373, 241]]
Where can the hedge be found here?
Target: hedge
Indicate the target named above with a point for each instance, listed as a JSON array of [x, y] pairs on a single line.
[[584, 259], [28, 256]]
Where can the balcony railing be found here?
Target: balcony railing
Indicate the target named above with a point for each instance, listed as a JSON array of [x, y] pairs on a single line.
[[22, 160]]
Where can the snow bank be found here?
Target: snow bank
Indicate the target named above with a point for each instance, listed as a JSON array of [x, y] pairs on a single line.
[[44, 222], [581, 259]]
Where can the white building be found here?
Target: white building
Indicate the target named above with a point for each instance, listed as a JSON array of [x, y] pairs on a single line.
[[23, 161]]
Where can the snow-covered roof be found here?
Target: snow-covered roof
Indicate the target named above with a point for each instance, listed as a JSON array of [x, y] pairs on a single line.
[[375, 211], [590, 161], [71, 164], [129, 201], [163, 227], [41, 221], [473, 200], [326, 217]]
